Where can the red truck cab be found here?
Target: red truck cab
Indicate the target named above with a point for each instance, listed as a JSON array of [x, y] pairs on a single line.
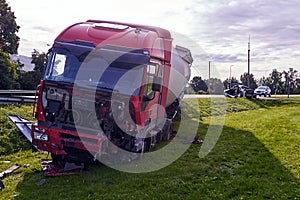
[[106, 81]]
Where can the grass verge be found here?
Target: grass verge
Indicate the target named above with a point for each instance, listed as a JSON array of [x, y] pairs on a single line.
[[256, 157]]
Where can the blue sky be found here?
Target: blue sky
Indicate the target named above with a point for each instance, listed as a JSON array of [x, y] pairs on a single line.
[[213, 30]]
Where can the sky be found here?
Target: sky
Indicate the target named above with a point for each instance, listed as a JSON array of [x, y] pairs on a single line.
[[217, 31]]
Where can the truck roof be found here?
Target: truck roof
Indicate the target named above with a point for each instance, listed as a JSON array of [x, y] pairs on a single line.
[[99, 32]]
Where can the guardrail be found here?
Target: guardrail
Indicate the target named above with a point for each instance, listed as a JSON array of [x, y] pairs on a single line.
[[17, 96], [18, 92]]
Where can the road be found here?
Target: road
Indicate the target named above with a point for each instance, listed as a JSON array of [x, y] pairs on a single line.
[[203, 96]]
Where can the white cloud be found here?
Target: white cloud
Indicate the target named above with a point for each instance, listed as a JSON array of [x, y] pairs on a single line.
[[220, 28]]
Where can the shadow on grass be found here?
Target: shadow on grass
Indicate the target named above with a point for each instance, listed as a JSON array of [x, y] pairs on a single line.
[[238, 167], [258, 102], [265, 103]]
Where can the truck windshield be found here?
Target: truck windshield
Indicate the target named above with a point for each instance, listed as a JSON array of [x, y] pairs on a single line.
[[64, 67]]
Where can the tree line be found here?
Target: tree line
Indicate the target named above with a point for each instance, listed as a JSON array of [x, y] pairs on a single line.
[[279, 83], [12, 75]]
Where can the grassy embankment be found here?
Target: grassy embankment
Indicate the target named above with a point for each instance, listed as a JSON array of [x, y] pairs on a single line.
[[256, 157]]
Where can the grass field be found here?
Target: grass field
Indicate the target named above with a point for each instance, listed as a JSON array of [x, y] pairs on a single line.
[[256, 157]]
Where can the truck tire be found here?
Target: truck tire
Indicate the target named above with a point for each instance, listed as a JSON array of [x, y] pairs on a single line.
[[166, 130], [147, 144]]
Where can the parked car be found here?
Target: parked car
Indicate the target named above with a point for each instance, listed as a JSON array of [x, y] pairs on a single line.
[[262, 91], [239, 90]]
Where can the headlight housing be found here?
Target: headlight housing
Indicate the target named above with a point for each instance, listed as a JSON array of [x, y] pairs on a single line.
[[40, 136]]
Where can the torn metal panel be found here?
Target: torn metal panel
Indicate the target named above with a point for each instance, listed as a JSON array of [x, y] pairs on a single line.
[[23, 125]]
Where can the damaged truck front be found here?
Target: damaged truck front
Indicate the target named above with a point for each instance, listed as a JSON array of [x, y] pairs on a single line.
[[107, 86]]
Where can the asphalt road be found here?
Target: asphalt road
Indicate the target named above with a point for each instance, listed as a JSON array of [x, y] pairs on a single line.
[[200, 96]]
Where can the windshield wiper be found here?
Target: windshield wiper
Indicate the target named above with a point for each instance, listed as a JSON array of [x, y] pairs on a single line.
[[95, 85], [99, 85], [60, 82]]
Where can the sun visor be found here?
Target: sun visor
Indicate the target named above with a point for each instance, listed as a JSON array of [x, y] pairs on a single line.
[[76, 47], [119, 54]]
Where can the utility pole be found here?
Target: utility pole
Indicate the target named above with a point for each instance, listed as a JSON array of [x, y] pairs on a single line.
[[209, 70], [289, 86], [248, 76], [209, 81]]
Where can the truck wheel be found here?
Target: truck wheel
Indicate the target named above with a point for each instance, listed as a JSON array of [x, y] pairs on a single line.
[[166, 136], [166, 130], [158, 137], [58, 160], [147, 144]]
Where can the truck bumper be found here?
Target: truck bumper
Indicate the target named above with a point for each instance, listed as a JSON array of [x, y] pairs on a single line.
[[61, 142]]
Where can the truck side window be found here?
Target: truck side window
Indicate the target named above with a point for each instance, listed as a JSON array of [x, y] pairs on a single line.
[[151, 72], [59, 65]]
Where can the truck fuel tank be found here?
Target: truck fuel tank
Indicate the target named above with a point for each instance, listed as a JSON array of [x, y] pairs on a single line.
[[180, 72]]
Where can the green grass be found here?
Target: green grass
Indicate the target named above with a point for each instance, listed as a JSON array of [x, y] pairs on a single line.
[[256, 157], [10, 140]]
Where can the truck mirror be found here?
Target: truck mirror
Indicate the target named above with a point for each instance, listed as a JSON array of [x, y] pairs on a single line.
[[157, 82]]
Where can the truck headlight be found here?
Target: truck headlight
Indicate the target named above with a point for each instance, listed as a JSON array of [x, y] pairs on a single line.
[[40, 136]]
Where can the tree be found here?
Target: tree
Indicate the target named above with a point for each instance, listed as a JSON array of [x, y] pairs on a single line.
[[8, 74], [276, 81], [30, 80], [228, 83], [244, 81], [267, 81], [297, 91], [39, 60], [290, 80], [9, 41], [19, 69], [198, 85], [215, 86]]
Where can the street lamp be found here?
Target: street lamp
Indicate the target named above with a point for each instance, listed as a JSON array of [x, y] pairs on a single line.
[[209, 70]]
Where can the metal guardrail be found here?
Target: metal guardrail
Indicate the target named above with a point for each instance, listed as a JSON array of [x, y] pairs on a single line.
[[16, 100], [19, 92], [17, 96]]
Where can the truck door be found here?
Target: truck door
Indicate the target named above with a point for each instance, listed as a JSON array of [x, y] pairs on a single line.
[[151, 98]]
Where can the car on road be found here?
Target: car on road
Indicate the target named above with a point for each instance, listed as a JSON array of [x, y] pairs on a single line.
[[262, 91], [239, 90]]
